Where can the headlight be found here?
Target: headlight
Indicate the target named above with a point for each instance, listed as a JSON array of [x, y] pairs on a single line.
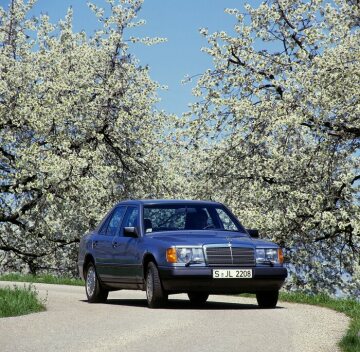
[[185, 255], [273, 255]]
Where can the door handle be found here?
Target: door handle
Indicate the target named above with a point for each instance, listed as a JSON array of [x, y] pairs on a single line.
[[115, 244], [94, 244]]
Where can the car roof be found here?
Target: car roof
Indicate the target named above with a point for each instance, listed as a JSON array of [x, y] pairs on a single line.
[[166, 201]]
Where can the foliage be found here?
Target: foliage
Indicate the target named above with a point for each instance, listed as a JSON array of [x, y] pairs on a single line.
[[78, 131], [19, 301], [276, 133]]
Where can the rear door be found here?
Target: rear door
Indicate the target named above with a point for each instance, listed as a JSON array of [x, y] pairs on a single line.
[[104, 243]]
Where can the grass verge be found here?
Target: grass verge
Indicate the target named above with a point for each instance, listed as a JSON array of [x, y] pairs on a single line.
[[44, 279], [19, 301], [351, 341]]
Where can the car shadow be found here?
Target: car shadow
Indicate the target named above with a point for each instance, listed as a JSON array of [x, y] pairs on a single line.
[[187, 305]]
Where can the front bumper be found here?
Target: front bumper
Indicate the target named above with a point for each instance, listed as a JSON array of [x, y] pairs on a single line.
[[199, 279]]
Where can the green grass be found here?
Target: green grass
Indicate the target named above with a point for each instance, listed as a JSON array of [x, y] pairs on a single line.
[[19, 301], [45, 279], [351, 341]]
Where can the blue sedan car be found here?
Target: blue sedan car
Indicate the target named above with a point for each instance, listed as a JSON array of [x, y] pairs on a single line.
[[174, 246]]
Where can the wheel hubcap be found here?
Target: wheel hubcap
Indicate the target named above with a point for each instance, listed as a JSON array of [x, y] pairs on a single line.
[[149, 286], [90, 281]]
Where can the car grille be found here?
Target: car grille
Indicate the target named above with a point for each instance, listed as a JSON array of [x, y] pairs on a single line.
[[239, 256]]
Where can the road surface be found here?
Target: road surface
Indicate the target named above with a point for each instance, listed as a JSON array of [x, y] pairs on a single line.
[[125, 323]]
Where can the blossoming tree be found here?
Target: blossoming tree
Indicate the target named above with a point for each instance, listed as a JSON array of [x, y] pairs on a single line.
[[276, 133], [78, 130]]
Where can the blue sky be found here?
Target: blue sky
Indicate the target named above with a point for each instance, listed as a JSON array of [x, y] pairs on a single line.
[[176, 20]]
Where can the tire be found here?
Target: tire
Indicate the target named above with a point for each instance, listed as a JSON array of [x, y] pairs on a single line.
[[94, 291], [198, 298], [267, 299], [155, 294]]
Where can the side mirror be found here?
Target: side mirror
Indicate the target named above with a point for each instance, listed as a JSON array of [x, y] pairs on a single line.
[[131, 232], [254, 233]]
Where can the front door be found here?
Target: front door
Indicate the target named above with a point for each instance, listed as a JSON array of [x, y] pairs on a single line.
[[126, 256]]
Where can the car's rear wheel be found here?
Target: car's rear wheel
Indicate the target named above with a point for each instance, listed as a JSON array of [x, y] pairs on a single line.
[[267, 299], [155, 294], [94, 291], [198, 298]]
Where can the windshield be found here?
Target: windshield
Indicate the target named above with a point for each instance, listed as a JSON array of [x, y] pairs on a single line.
[[177, 217]]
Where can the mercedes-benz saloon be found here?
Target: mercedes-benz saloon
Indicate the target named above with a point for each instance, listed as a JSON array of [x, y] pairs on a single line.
[[178, 246]]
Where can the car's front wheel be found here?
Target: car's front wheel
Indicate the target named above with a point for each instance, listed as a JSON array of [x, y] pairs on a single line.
[[94, 291], [198, 298], [155, 294], [267, 299]]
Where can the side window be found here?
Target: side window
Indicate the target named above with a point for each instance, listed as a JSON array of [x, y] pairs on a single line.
[[105, 224], [115, 221], [131, 217]]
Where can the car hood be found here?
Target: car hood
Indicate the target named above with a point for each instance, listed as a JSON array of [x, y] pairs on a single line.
[[199, 238]]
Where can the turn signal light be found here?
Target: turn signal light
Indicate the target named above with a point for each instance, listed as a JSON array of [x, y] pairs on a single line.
[[171, 256], [280, 256]]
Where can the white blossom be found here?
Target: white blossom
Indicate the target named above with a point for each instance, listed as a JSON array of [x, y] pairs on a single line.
[[276, 134]]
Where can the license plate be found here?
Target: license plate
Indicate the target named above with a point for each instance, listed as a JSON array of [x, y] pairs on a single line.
[[232, 273]]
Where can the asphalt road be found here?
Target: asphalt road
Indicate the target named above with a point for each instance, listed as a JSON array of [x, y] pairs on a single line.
[[125, 323]]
